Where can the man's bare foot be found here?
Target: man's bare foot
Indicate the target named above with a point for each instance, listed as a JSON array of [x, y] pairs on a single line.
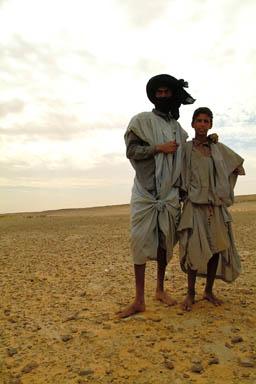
[[212, 298], [132, 309], [165, 298], [188, 302]]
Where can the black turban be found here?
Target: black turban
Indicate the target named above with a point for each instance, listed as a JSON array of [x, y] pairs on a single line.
[[179, 95]]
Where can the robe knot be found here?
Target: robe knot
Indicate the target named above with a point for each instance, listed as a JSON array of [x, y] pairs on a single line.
[[160, 205]]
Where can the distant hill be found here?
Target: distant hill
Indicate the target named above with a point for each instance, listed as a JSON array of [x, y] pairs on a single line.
[[108, 210], [243, 198]]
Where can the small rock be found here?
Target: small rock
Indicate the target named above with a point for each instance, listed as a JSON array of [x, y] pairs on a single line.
[[29, 367], [72, 317], [11, 351], [195, 360], [169, 365], [85, 372], [88, 334], [237, 339], [197, 368], [246, 362], [12, 320], [15, 380], [66, 338], [141, 318], [7, 312], [155, 319], [246, 375], [214, 361], [185, 376], [106, 326]]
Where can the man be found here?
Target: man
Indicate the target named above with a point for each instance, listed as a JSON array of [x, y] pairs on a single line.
[[153, 147]]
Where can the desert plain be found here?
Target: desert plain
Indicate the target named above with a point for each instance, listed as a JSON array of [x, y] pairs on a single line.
[[64, 274]]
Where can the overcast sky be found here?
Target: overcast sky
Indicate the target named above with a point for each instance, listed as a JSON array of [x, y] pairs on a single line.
[[73, 73]]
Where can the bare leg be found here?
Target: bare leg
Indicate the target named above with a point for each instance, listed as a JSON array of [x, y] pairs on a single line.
[[190, 298], [139, 303], [211, 274], [161, 267]]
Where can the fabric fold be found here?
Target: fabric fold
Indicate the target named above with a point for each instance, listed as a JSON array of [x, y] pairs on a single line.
[[205, 227], [159, 212]]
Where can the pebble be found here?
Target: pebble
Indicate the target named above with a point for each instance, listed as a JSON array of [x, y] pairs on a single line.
[[140, 318], [237, 339], [72, 317], [88, 334], [85, 372], [246, 375], [195, 360], [66, 338], [7, 312], [106, 326], [169, 365], [11, 351], [214, 361], [155, 319], [12, 320], [15, 380], [198, 368], [29, 367], [246, 362]]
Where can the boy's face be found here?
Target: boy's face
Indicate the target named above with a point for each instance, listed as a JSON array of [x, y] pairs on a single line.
[[202, 124]]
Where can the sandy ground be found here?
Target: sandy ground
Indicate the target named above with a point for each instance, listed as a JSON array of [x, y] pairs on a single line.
[[65, 273]]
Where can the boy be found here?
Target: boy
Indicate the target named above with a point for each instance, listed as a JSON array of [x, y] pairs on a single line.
[[208, 176]]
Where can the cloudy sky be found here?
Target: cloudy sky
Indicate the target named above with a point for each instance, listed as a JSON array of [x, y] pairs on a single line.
[[73, 73]]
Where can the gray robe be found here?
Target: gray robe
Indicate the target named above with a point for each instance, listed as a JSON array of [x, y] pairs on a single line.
[[205, 225], [151, 213]]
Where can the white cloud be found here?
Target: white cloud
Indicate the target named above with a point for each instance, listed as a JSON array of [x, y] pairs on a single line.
[[74, 73]]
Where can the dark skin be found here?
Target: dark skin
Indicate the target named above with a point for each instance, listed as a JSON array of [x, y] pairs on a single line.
[[202, 124], [138, 305]]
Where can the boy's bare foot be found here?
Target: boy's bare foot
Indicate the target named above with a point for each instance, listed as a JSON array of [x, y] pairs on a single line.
[[165, 298], [212, 298], [188, 302], [132, 309]]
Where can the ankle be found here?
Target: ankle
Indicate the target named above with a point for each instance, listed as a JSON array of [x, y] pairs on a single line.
[[139, 300], [191, 292], [159, 289]]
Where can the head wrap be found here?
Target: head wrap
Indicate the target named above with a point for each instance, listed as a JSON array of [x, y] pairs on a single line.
[[179, 95]]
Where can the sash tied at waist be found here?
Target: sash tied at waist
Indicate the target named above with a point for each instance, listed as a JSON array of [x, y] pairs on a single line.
[[160, 205]]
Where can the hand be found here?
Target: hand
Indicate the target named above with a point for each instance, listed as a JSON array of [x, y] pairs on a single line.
[[170, 147], [214, 138]]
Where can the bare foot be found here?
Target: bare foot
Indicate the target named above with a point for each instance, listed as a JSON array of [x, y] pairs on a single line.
[[188, 302], [212, 298], [132, 309], [165, 298]]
